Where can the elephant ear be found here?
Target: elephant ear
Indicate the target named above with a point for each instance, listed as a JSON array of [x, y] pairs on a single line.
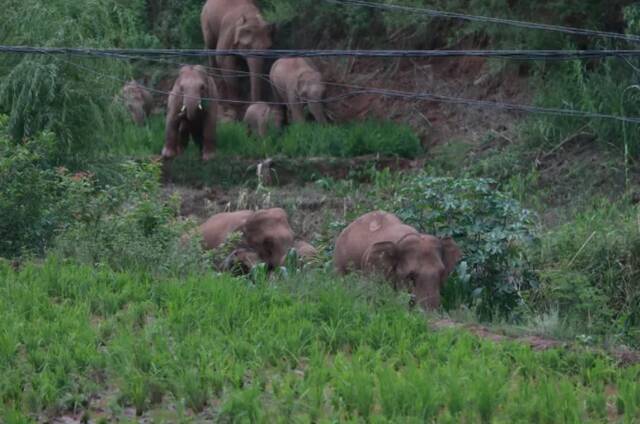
[[383, 256], [243, 34], [451, 254]]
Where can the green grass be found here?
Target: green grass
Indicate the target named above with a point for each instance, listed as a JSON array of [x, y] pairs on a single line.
[[296, 141], [309, 348]]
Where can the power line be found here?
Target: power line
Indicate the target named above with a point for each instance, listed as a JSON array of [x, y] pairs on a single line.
[[275, 54], [409, 96], [487, 19]]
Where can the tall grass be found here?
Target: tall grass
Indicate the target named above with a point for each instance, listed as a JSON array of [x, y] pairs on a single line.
[[66, 94], [96, 342]]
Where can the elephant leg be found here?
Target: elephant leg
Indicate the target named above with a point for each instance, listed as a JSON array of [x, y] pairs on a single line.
[[317, 110], [172, 139], [295, 107], [208, 135], [228, 66], [277, 98], [255, 65]]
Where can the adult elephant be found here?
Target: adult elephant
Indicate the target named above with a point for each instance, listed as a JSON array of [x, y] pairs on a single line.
[[380, 241], [236, 25], [191, 113], [297, 82], [266, 234]]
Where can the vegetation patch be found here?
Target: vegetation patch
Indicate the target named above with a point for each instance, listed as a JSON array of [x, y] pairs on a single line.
[[81, 341]]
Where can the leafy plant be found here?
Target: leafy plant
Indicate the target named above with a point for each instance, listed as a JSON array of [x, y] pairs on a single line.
[[491, 228]]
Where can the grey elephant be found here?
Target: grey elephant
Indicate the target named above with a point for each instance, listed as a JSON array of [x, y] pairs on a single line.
[[380, 241], [266, 235], [260, 116], [297, 83], [138, 101], [236, 25], [191, 113]]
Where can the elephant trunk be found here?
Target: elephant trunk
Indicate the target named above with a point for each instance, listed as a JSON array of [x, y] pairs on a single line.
[[192, 106], [255, 65], [427, 294], [317, 110]]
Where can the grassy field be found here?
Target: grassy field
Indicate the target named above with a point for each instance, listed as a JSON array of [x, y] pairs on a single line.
[[87, 342]]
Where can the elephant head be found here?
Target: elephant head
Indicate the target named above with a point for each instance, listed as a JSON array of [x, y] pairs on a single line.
[[421, 263], [138, 100], [241, 261], [194, 86], [269, 234], [311, 89], [252, 32]]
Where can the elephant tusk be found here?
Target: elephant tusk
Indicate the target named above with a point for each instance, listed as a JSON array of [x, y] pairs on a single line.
[[184, 107], [200, 105]]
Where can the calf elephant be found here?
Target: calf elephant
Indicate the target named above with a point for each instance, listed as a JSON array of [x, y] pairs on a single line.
[[244, 259], [266, 233], [381, 241], [260, 116], [138, 101], [191, 112], [236, 25], [296, 82]]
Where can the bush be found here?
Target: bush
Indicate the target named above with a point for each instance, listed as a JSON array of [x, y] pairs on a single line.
[[34, 195], [495, 275], [591, 268], [125, 224], [130, 226], [67, 95], [492, 230]]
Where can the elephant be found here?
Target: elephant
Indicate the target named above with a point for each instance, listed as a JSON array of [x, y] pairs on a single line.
[[305, 250], [191, 112], [138, 101], [296, 82], [380, 241], [266, 232], [260, 116], [242, 260], [236, 25]]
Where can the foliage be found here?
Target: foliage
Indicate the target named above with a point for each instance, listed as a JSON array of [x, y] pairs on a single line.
[[492, 229], [124, 223], [64, 94], [129, 226], [591, 269], [36, 199], [307, 349]]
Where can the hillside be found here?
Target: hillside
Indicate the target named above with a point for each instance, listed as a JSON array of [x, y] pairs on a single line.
[[112, 309]]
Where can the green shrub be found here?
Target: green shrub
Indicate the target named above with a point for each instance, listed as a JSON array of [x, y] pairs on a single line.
[[130, 226], [68, 95], [492, 230], [35, 197], [591, 269]]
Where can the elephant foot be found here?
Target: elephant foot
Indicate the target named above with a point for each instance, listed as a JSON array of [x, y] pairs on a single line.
[[207, 156], [168, 153]]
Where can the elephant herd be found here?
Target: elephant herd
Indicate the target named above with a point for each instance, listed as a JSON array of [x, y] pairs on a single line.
[[377, 242], [193, 109]]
